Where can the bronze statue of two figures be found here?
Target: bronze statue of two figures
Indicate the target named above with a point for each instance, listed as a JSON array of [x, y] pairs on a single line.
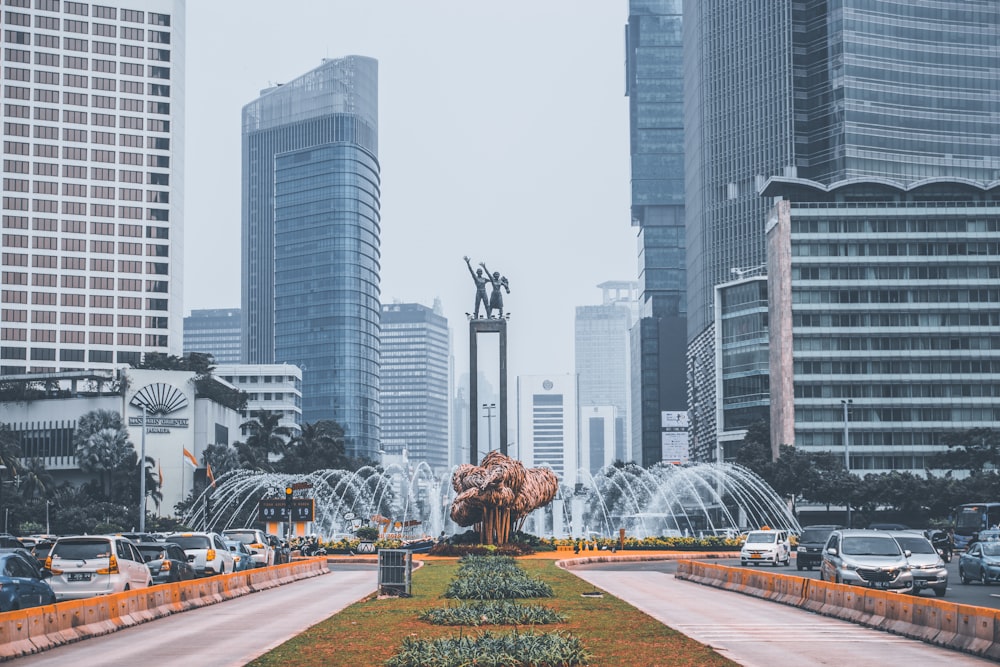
[[494, 305]]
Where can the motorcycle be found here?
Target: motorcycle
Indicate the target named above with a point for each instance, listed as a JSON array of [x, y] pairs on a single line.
[[312, 547], [942, 543]]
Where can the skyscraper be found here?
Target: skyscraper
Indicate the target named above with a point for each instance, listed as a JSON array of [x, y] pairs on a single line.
[[601, 357], [311, 241], [415, 380], [547, 423], [654, 86], [826, 93], [93, 233], [215, 331]]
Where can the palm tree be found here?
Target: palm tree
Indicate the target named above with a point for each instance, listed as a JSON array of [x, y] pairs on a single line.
[[10, 450], [102, 445], [36, 480], [319, 446], [267, 436]]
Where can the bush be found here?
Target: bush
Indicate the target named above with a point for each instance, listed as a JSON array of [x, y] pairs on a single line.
[[492, 612], [511, 650]]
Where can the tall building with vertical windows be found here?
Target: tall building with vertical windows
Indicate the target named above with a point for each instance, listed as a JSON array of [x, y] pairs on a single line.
[[654, 86], [415, 378], [311, 241], [832, 94], [547, 423], [601, 357], [215, 331], [93, 147]]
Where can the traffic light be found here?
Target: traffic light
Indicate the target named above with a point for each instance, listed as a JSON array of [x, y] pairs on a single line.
[[288, 496]]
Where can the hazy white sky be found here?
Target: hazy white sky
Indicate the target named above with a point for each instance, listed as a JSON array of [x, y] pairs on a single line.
[[503, 135]]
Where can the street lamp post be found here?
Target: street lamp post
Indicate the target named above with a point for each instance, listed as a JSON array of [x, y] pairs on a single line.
[[846, 403], [489, 407], [142, 476]]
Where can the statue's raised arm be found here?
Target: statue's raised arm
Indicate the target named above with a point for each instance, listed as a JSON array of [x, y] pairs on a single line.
[[480, 280]]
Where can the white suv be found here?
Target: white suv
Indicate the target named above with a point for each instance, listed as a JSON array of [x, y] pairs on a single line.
[[207, 552], [766, 546], [256, 541], [87, 565]]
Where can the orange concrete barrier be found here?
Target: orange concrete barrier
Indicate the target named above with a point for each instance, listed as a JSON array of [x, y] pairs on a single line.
[[976, 628], [31, 630], [899, 614]]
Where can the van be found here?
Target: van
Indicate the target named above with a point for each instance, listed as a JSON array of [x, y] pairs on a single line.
[[766, 546]]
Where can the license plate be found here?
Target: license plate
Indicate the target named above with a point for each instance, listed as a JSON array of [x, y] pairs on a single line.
[[880, 584], [754, 555], [79, 576]]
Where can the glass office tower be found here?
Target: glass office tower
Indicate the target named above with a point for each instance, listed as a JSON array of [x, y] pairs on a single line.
[[654, 86], [825, 90], [311, 247]]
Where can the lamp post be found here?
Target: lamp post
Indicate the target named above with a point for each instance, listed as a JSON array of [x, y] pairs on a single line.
[[846, 403], [489, 408], [142, 476]]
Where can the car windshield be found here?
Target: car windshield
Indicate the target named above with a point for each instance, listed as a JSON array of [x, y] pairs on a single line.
[[815, 534], [991, 549], [152, 552], [192, 541], [82, 549], [870, 546], [916, 545], [246, 538], [762, 538]]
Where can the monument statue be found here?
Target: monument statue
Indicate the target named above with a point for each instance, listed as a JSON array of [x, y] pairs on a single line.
[[497, 496], [496, 296], [480, 280]]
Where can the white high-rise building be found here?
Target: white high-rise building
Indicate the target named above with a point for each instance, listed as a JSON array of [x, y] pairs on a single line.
[[92, 185], [547, 424]]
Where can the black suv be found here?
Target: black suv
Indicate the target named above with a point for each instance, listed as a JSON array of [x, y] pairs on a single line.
[[810, 546]]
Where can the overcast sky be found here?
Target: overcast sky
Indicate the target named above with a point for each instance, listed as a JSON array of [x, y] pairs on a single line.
[[503, 135]]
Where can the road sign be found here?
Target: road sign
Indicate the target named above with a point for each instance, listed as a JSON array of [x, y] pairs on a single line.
[[302, 485], [271, 509]]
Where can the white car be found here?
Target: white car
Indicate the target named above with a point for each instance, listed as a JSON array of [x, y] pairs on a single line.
[[255, 540], [207, 552], [766, 546], [87, 565]]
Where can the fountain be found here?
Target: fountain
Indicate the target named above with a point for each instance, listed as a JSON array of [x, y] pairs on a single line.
[[664, 500]]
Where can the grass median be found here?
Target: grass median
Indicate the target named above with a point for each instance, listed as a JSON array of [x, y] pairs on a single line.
[[371, 631]]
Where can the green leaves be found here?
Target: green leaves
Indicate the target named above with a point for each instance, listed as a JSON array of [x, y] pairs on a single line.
[[550, 649], [492, 612]]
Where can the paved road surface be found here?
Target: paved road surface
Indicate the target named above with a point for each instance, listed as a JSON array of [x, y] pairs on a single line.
[[229, 633], [760, 633]]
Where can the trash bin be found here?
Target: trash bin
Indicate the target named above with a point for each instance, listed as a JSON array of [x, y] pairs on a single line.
[[395, 567]]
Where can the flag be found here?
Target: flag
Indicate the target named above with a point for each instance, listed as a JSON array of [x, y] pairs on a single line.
[[190, 457], [160, 467], [209, 475]]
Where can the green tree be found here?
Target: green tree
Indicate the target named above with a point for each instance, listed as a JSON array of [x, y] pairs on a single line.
[[319, 446], [973, 450], [222, 458], [102, 445], [36, 480], [267, 436], [10, 452]]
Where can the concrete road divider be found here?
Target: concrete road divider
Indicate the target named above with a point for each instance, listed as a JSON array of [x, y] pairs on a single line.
[[965, 628], [27, 631]]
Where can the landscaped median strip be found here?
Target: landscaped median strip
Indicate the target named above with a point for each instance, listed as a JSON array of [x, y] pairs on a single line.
[[33, 630], [490, 581]]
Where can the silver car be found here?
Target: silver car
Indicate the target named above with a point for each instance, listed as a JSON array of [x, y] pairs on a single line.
[[926, 565], [869, 558], [87, 565]]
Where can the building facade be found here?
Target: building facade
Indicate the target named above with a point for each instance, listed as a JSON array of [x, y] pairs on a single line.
[[215, 331], [275, 388], [311, 241], [894, 305], [177, 420], [654, 86], [601, 357], [547, 422], [415, 374], [859, 89], [93, 198]]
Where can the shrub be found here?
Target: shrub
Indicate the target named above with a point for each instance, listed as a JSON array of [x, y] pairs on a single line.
[[489, 650], [492, 612]]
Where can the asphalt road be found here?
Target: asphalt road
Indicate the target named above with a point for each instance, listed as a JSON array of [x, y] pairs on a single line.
[[973, 593]]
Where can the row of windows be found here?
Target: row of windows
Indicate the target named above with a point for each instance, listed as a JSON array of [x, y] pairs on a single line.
[[965, 319], [11, 166], [78, 227], [929, 295], [80, 208], [95, 282], [95, 155], [897, 272], [896, 390], [97, 11], [897, 367], [877, 415], [898, 249], [83, 28], [44, 41]]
